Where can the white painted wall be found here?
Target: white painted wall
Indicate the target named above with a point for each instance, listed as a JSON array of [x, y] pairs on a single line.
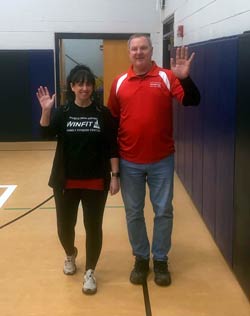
[[208, 19], [31, 24]]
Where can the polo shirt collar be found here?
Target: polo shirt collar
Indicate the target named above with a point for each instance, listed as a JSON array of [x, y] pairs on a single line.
[[152, 72]]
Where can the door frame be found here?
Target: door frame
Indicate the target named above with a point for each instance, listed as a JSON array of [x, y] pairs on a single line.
[[60, 36], [168, 40]]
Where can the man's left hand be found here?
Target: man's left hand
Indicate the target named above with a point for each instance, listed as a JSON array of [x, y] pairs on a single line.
[[181, 65]]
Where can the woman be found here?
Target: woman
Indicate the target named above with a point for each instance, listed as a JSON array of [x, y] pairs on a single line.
[[86, 153]]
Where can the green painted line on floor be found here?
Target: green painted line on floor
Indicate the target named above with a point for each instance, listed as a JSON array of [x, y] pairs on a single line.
[[49, 208], [16, 208], [46, 208]]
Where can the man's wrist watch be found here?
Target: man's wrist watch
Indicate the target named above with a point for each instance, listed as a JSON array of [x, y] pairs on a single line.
[[115, 174]]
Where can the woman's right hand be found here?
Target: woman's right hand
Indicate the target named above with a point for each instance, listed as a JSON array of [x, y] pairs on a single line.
[[46, 101]]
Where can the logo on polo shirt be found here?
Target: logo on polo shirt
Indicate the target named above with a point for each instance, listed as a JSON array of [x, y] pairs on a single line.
[[155, 84]]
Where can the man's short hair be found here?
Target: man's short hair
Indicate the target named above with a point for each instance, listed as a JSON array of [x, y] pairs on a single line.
[[138, 35]]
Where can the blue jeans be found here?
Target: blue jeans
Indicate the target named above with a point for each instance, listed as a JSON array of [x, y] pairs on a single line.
[[159, 177]]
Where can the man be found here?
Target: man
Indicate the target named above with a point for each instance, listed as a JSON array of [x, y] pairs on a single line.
[[141, 100]]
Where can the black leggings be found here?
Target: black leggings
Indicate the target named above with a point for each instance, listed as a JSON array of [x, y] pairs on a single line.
[[93, 204]]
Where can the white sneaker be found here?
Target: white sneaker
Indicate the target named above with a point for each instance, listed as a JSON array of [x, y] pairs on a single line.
[[89, 282], [70, 264]]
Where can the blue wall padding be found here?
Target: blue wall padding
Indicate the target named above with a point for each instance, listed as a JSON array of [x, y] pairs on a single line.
[[179, 135], [205, 137], [41, 72], [211, 83], [15, 114], [22, 71], [197, 130], [226, 147], [241, 244], [188, 152]]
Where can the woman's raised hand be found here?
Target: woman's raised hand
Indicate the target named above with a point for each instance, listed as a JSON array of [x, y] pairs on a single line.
[[46, 101]]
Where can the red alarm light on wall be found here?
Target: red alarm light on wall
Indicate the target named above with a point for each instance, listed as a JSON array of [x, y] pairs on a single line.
[[180, 31]]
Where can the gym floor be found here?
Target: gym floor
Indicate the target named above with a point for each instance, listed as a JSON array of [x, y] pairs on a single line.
[[32, 282]]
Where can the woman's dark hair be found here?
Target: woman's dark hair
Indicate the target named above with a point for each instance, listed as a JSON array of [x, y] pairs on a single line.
[[79, 74]]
